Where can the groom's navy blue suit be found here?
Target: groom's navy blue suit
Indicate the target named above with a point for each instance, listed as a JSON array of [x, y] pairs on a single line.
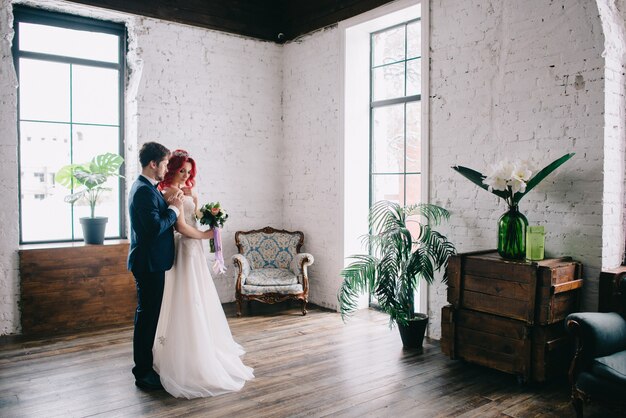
[[151, 254]]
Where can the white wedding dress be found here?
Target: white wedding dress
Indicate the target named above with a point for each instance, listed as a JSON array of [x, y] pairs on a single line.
[[194, 351]]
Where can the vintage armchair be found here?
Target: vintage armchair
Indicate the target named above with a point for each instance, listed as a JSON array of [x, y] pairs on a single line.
[[270, 267], [598, 370]]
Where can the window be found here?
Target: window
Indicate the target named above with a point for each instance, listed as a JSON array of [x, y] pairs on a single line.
[[384, 74], [70, 108], [395, 114]]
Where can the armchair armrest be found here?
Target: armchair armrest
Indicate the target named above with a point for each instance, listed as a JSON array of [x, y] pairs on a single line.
[[597, 334], [300, 263], [602, 333], [243, 265]]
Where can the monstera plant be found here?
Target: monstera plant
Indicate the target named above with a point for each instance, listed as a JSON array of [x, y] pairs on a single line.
[[403, 250], [87, 183]]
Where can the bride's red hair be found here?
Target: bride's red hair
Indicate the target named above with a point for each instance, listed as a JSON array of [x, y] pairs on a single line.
[[176, 162]]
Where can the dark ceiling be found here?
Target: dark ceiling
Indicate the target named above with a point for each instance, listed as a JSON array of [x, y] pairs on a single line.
[[270, 20]]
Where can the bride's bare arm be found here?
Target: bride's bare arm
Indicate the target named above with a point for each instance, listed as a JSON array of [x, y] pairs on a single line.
[[191, 192], [189, 231]]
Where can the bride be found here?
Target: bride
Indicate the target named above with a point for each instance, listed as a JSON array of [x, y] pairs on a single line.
[[194, 351]]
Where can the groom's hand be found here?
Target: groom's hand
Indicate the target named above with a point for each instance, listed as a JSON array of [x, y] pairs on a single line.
[[170, 193], [174, 197], [177, 200]]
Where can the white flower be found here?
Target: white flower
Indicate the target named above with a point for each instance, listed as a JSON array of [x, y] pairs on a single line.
[[495, 183], [498, 175], [517, 186], [507, 174], [521, 171]]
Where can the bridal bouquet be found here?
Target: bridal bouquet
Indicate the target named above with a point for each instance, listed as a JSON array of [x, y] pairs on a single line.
[[215, 216]]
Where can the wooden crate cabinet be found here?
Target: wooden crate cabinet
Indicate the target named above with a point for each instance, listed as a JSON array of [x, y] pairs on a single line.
[[508, 315], [75, 288]]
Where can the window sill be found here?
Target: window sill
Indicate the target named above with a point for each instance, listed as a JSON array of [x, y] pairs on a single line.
[[75, 244]]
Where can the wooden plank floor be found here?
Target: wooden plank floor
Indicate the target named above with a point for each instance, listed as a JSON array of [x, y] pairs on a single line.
[[304, 366]]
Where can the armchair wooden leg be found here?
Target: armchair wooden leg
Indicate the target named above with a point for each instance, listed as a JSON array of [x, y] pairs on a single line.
[[238, 306], [577, 403], [303, 307]]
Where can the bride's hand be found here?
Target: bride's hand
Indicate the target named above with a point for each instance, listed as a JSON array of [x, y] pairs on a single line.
[[208, 234]]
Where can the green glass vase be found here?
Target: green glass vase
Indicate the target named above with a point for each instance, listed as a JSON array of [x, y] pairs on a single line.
[[512, 234]]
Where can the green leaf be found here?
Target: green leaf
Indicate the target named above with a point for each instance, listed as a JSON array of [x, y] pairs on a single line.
[[397, 261], [106, 164], [89, 179], [538, 178], [65, 176], [72, 198], [477, 178], [91, 176]]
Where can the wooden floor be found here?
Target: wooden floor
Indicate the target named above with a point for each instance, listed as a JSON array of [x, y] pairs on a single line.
[[304, 366]]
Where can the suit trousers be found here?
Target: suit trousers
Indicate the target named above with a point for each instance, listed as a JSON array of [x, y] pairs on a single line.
[[149, 297]]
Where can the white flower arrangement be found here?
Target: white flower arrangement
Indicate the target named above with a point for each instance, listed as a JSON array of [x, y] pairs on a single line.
[[513, 174], [511, 179]]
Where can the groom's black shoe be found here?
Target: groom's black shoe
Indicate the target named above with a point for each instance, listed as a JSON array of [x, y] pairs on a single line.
[[151, 381]]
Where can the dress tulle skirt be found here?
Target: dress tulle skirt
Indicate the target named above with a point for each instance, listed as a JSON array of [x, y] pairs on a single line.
[[194, 351]]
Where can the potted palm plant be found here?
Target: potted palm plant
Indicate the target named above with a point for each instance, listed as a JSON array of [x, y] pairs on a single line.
[[400, 255], [91, 176]]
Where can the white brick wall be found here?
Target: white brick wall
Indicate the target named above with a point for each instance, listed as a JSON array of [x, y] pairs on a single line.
[[507, 78], [519, 79], [312, 152], [9, 285], [614, 133], [217, 96]]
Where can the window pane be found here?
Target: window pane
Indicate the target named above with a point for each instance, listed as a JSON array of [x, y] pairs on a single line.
[[414, 40], [90, 141], [388, 46], [413, 189], [388, 139], [68, 42], [414, 77], [388, 187], [95, 95], [413, 137], [388, 82], [44, 90], [44, 147]]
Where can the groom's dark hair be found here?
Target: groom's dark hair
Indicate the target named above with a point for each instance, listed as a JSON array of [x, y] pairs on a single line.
[[152, 151]]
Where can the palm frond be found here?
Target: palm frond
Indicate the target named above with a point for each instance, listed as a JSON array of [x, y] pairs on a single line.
[[398, 259], [358, 277], [434, 214]]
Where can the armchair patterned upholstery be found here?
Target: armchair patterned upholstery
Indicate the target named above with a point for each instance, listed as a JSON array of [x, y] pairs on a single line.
[[270, 267]]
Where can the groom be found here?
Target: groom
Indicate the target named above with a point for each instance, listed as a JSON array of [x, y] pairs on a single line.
[[152, 216]]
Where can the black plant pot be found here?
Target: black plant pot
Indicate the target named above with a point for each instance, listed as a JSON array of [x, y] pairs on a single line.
[[413, 334], [93, 229]]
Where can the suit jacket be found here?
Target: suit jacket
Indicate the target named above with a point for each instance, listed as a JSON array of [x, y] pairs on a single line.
[[151, 229]]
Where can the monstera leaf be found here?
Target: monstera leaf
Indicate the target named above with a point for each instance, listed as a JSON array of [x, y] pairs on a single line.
[[91, 176]]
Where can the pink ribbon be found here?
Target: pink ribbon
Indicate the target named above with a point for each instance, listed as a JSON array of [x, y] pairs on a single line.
[[218, 266]]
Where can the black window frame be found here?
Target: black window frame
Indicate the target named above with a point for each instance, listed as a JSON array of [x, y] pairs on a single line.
[[27, 14], [373, 104]]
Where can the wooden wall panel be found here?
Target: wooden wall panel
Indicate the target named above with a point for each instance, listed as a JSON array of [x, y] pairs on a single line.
[[261, 19], [65, 290]]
